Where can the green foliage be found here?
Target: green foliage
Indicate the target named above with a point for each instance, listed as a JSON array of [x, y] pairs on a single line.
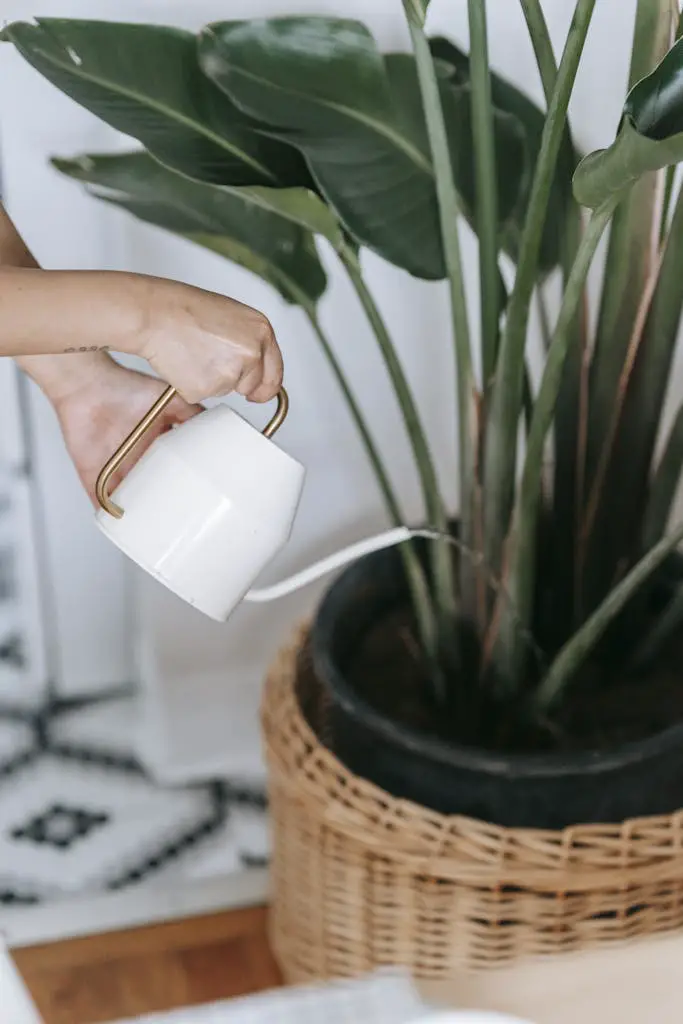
[[231, 221], [259, 136]]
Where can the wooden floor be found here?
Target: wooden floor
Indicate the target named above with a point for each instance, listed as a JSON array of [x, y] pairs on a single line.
[[144, 970]]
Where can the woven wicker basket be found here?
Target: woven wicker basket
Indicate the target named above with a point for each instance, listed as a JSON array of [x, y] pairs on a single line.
[[362, 879]]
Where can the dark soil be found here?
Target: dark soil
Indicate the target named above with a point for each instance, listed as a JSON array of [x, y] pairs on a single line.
[[600, 714]]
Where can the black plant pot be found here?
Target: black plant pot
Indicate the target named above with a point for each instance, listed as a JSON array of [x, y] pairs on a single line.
[[536, 791]]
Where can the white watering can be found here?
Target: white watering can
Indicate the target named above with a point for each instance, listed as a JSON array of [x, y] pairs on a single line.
[[209, 505]]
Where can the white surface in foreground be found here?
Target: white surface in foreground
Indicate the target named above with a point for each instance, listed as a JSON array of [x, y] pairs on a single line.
[[15, 1005], [387, 997], [636, 983], [383, 998]]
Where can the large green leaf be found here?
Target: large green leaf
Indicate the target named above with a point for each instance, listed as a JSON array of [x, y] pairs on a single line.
[[146, 82], [650, 137], [321, 84], [226, 221], [509, 101], [299, 205]]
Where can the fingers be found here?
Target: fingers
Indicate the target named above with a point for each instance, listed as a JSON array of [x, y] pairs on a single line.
[[271, 381], [208, 345], [250, 381], [262, 382], [179, 411]]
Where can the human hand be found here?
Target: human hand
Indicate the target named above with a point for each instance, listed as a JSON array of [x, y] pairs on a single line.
[[98, 408], [207, 345]]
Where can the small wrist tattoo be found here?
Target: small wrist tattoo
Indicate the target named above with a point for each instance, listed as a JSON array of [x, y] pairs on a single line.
[[88, 348]]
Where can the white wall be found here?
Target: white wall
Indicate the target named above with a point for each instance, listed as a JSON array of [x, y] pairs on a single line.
[[219, 668]]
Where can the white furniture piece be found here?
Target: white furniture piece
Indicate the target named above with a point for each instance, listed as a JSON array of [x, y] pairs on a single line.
[[387, 997], [632, 983], [16, 1006]]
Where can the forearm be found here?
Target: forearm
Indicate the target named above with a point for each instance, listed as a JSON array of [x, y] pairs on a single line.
[[42, 313], [204, 344], [13, 249], [55, 312], [54, 374]]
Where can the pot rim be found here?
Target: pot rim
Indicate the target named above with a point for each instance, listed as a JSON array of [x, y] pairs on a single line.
[[458, 755]]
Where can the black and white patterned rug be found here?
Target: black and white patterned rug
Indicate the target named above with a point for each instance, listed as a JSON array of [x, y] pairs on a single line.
[[79, 815]]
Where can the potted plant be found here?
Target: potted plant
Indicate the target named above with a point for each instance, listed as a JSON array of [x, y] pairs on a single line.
[[518, 667]]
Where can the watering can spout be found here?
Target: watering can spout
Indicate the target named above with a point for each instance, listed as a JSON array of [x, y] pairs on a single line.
[[388, 539]]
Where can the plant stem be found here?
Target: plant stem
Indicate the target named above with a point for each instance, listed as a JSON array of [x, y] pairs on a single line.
[[541, 42], [521, 546], [664, 484], [528, 399], [569, 433], [670, 171], [544, 318], [500, 449], [442, 556], [417, 581], [625, 449], [449, 215], [666, 624], [415, 574], [371, 450], [487, 186], [617, 461], [666, 202], [574, 652]]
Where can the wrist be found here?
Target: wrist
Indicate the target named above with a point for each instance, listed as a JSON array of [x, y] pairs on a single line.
[[162, 304], [59, 377], [139, 300]]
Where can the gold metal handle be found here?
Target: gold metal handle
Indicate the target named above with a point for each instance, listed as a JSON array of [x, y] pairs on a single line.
[[114, 463]]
